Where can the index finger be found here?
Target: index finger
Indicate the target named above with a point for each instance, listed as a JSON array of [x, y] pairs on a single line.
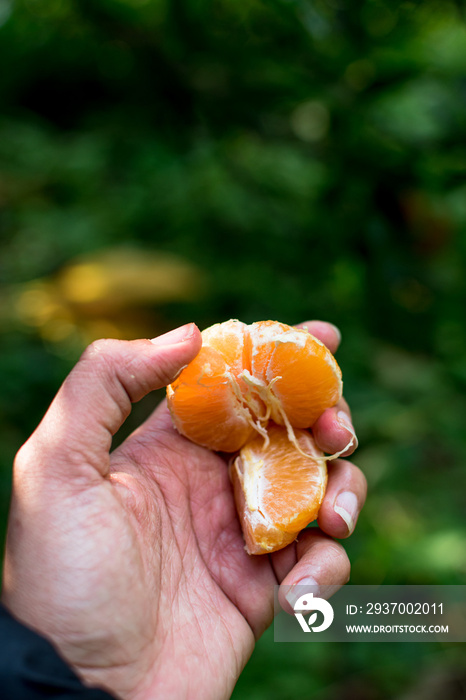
[[324, 331]]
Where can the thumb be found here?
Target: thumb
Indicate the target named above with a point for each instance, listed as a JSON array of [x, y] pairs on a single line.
[[75, 435]]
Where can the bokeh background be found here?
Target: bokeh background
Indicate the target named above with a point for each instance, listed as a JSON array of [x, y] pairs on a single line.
[[163, 161]]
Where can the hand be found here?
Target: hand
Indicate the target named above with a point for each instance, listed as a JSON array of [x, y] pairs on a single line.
[[133, 562]]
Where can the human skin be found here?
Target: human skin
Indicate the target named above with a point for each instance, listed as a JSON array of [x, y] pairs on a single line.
[[132, 562]]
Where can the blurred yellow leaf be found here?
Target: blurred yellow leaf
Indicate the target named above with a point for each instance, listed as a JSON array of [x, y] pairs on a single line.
[[110, 293]]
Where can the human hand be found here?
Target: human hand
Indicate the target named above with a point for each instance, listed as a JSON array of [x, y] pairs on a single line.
[[133, 562]]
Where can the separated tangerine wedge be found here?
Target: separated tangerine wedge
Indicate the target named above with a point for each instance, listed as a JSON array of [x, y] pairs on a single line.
[[278, 491], [246, 375]]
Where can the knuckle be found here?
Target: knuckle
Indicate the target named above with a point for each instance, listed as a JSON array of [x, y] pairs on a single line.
[[334, 550], [343, 466], [358, 476], [100, 350], [101, 366], [345, 569], [337, 551], [350, 471], [339, 559], [126, 364], [100, 359], [335, 557]]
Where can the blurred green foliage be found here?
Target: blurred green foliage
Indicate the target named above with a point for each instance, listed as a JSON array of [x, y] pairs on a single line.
[[305, 159]]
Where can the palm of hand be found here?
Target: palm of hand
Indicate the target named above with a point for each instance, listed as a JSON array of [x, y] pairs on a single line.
[[163, 576], [204, 592]]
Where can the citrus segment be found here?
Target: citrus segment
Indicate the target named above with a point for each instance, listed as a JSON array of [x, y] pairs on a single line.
[[278, 491], [306, 377], [204, 406]]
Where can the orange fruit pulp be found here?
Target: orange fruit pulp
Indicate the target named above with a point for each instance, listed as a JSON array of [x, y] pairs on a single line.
[[278, 490], [245, 376], [255, 389]]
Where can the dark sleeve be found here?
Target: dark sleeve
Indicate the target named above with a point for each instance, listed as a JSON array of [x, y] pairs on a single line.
[[31, 669]]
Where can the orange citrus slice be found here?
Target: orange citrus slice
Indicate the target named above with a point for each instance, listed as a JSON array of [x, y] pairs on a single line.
[[278, 491], [246, 375]]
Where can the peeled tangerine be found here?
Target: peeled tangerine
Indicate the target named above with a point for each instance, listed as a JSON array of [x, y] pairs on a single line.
[[256, 389]]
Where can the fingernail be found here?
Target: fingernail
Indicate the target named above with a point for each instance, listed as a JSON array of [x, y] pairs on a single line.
[[337, 331], [305, 585], [178, 335], [345, 422], [347, 507]]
